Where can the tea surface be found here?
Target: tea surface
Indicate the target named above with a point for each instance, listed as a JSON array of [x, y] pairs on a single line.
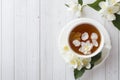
[[84, 39]]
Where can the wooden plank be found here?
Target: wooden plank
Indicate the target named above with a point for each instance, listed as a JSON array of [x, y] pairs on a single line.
[[51, 60], [7, 40], [119, 57], [43, 40], [99, 73], [1, 40], [21, 40], [47, 43], [112, 61], [58, 21], [39, 39], [33, 40]]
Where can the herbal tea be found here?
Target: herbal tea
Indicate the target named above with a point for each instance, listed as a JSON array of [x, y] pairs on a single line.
[[84, 39]]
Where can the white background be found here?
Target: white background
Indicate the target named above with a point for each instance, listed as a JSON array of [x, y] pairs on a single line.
[[29, 31]]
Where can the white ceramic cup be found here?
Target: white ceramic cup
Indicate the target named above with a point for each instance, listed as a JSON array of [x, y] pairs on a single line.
[[96, 24]]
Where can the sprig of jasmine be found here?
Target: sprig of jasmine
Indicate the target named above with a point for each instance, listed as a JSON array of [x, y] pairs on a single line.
[[76, 7], [110, 9]]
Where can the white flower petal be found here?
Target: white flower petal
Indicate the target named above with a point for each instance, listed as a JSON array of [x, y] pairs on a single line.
[[85, 52], [90, 45], [79, 67], [73, 63], [76, 43], [89, 52], [95, 43], [102, 4], [115, 9], [85, 36], [75, 8], [109, 8], [86, 47], [102, 11], [83, 43], [111, 17], [86, 61], [78, 14], [94, 36], [79, 7], [118, 12], [81, 49], [111, 2], [88, 66], [67, 56], [71, 59], [88, 42], [80, 64]]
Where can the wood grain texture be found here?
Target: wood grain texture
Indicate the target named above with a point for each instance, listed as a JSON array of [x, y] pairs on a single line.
[[42, 42], [27, 40], [32, 40], [20, 40], [119, 58], [7, 40], [46, 43], [112, 64], [0, 40]]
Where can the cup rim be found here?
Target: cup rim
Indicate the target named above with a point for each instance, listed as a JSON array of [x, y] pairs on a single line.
[[96, 24]]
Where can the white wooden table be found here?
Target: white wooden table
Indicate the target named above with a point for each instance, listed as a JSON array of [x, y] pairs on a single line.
[[19, 40], [29, 31], [54, 16]]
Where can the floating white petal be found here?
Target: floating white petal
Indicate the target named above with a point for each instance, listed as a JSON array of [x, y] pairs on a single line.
[[94, 36], [95, 43], [85, 36], [76, 43], [86, 47]]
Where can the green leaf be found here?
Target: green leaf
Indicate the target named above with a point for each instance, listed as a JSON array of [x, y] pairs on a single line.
[[67, 5], [95, 5], [78, 73], [96, 58], [117, 21], [80, 2]]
